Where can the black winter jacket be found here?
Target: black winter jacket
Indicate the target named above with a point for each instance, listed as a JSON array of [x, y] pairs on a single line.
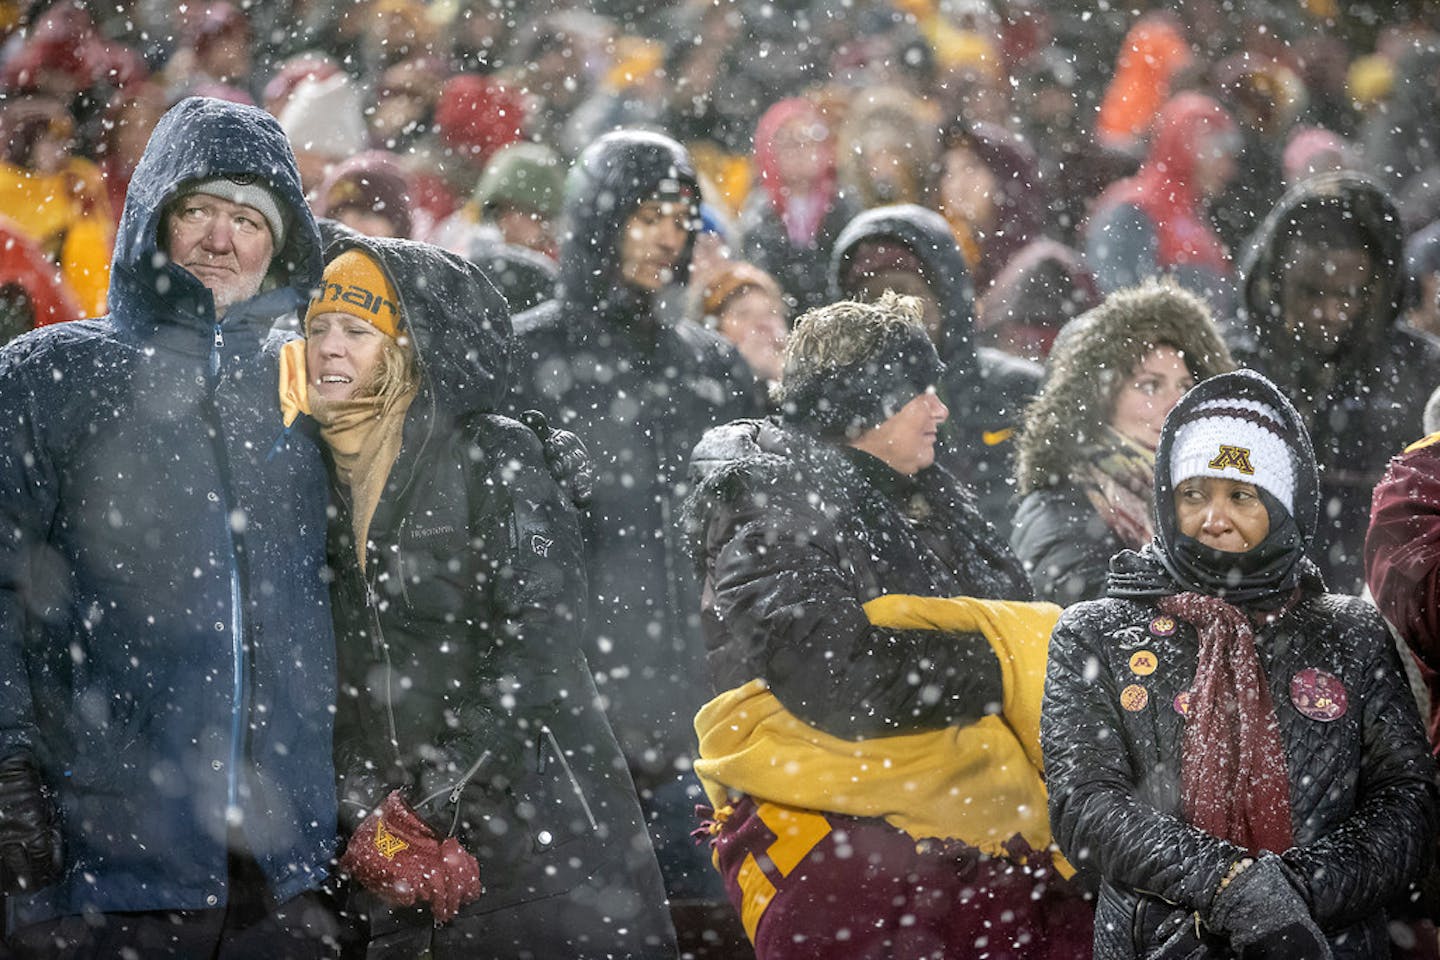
[[1065, 543], [985, 389], [640, 391], [792, 536], [463, 678], [1362, 787]]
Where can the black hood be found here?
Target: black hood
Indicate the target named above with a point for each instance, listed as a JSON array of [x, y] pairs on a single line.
[[925, 234], [200, 138], [613, 176], [456, 319], [1274, 567], [1260, 314]]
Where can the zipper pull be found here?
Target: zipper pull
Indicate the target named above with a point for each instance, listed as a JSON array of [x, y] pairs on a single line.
[[219, 337]]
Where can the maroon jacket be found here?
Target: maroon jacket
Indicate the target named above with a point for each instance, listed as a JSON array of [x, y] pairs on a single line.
[[1402, 558]]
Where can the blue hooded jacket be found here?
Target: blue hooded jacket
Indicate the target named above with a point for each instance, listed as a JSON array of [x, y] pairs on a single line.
[[166, 646]]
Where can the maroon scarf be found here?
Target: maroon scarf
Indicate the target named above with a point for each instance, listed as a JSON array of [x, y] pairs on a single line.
[[1234, 782]]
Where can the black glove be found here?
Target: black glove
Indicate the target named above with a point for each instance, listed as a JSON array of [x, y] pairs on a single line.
[[30, 854], [566, 456], [1265, 917]]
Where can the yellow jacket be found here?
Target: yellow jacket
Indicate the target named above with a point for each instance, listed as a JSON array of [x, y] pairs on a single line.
[[67, 215]]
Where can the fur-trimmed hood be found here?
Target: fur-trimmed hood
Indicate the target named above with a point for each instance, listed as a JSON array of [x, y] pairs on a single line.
[[1090, 355]]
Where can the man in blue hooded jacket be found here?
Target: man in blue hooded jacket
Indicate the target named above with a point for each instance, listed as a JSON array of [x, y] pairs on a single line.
[[166, 650]]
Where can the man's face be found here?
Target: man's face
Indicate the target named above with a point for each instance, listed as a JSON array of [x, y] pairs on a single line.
[[652, 242], [1323, 293], [227, 246]]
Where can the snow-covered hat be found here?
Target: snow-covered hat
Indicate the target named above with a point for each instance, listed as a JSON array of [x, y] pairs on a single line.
[[326, 116], [1237, 439], [244, 190]]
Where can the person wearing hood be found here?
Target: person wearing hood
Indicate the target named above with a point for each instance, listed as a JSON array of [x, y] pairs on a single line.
[[1322, 284], [606, 360], [166, 784], [852, 693], [789, 225], [1232, 751], [1156, 221], [911, 250], [1085, 460], [483, 795]]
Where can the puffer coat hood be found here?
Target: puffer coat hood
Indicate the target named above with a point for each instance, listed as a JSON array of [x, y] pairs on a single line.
[[456, 320], [1261, 313], [1090, 357], [613, 176], [197, 139], [925, 234]]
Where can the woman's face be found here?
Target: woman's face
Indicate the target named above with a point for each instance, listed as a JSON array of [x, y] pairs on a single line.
[[1222, 514], [755, 322], [1151, 391], [342, 355], [907, 440]]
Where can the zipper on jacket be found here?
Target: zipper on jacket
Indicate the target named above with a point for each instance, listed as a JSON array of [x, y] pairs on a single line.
[[456, 789], [549, 734], [372, 601], [215, 350]]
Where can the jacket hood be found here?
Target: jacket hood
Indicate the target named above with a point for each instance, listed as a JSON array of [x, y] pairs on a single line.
[[200, 138], [1374, 212], [925, 234], [1090, 355], [1286, 566], [613, 176], [458, 322]]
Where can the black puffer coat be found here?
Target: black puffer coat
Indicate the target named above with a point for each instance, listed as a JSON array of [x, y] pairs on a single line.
[[460, 654], [1064, 543], [1362, 787], [601, 361], [1370, 406], [792, 536], [985, 389]]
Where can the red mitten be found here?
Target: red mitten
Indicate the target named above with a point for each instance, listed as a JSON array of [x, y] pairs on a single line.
[[462, 872], [394, 854]]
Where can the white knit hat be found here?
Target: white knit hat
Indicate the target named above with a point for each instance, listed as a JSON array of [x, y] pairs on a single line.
[[326, 117], [247, 191], [1235, 440]]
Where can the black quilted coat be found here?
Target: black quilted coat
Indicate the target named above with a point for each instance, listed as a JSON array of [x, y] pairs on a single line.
[[462, 676], [792, 536], [1362, 787]]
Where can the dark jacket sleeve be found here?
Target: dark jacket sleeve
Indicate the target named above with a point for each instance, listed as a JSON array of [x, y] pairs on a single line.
[[532, 611], [29, 568], [780, 586], [1402, 550], [1064, 545], [1390, 838], [1099, 821]]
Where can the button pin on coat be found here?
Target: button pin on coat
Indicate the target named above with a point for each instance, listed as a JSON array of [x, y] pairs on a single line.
[[1319, 695], [1134, 698], [1143, 663]]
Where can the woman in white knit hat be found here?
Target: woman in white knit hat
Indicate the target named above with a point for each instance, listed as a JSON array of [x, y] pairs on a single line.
[[1230, 750]]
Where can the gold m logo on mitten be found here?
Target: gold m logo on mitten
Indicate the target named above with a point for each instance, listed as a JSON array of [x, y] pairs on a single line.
[[386, 842]]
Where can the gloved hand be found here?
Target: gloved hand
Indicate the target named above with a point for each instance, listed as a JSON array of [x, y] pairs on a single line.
[[396, 856], [566, 456], [1264, 916], [30, 848]]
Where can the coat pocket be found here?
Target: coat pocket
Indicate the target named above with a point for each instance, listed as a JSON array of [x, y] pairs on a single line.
[[558, 809]]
